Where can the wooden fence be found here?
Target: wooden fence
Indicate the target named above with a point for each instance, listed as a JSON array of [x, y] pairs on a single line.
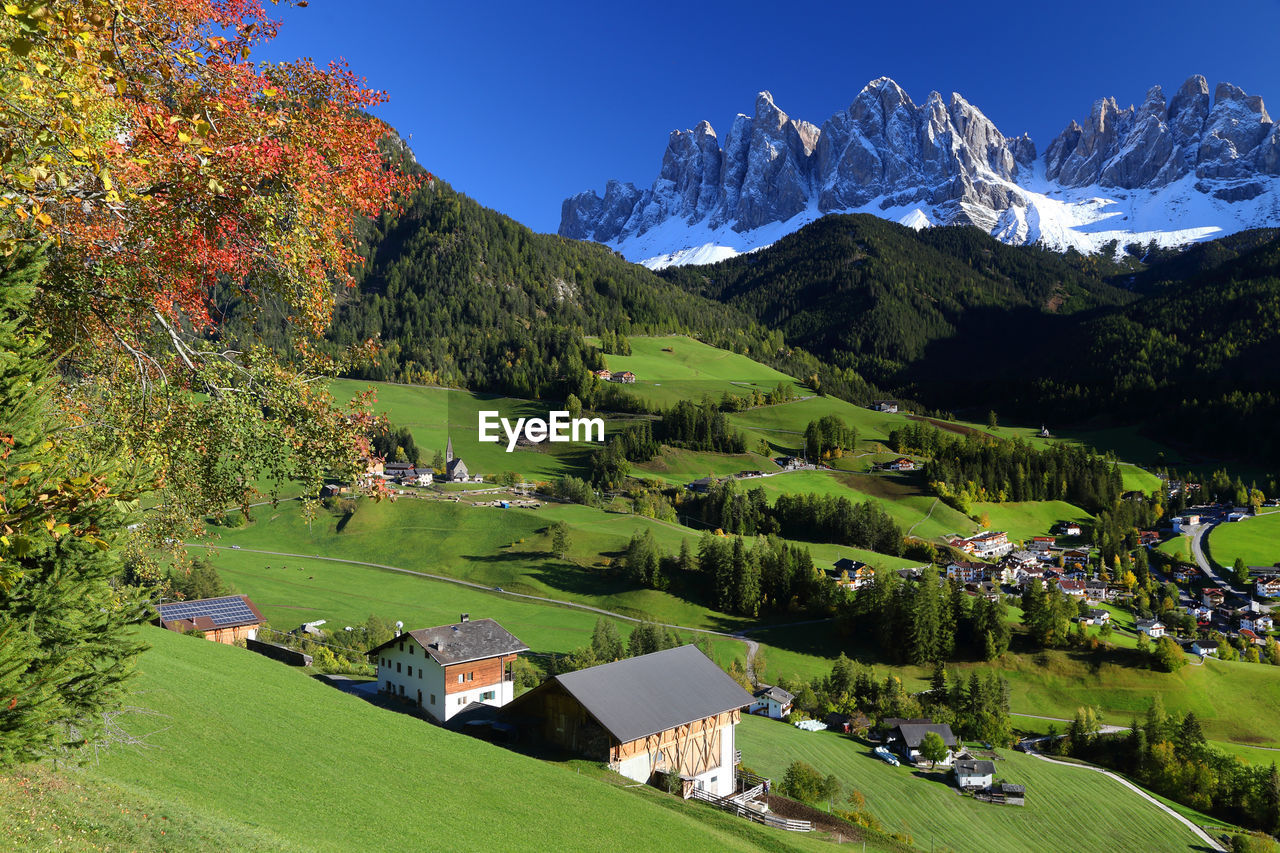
[[729, 804]]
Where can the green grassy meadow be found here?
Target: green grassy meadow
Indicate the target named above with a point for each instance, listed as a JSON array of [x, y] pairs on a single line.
[[244, 753], [691, 370], [678, 466], [900, 496], [1026, 519], [925, 804], [435, 414], [1256, 540]]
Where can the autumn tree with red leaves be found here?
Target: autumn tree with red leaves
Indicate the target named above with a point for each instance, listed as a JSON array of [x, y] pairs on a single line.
[[148, 162]]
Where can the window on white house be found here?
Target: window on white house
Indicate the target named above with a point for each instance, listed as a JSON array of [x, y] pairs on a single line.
[[433, 698], [487, 695], [397, 666], [462, 700], [460, 678]]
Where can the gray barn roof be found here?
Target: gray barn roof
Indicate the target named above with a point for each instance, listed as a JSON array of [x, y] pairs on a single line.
[[462, 641], [972, 767], [913, 733], [777, 694], [641, 696]]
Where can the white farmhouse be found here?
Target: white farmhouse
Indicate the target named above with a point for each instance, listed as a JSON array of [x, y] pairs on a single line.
[[442, 670], [771, 702]]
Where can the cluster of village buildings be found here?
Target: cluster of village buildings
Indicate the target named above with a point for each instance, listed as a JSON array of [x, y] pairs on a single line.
[[411, 474]]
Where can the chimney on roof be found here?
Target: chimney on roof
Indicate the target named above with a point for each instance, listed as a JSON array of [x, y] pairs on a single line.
[[466, 617]]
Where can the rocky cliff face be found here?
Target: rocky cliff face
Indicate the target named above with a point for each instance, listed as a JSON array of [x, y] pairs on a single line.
[[941, 162], [1155, 145]]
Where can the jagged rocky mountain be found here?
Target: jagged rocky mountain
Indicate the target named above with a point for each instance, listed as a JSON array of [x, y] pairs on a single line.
[[1171, 171]]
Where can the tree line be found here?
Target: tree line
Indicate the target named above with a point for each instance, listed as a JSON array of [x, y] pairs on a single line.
[[925, 621], [808, 517]]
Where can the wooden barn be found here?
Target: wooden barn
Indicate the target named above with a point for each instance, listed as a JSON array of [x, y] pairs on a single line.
[[670, 711], [222, 620]]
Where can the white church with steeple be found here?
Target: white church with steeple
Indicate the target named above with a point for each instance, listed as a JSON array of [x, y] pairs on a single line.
[[455, 470]]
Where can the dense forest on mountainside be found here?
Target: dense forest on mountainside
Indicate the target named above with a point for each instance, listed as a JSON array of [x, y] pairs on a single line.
[[461, 295], [1181, 343], [872, 295], [1185, 346]]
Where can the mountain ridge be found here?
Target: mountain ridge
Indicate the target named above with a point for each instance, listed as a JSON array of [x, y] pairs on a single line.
[[1169, 172]]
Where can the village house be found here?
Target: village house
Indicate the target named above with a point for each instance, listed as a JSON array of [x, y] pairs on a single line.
[[604, 373], [901, 464], [773, 702], [1185, 575], [1095, 591], [890, 406], [1205, 648], [1042, 543], [1074, 588], [853, 574], [907, 736], [1200, 612], [1268, 587], [1181, 523], [625, 376], [991, 545], [702, 485], [1254, 618], [221, 620], [1250, 636], [1212, 596], [967, 572], [1005, 573], [444, 669], [972, 773], [1097, 616], [670, 711], [1153, 628], [1070, 528], [1026, 577], [793, 463], [1076, 557], [1150, 538], [1023, 560]]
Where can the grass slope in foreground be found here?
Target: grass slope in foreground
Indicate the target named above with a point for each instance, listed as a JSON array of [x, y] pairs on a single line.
[[251, 745], [1067, 810]]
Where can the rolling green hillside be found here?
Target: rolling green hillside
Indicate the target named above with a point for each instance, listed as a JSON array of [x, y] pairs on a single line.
[[267, 758], [925, 804], [673, 368]]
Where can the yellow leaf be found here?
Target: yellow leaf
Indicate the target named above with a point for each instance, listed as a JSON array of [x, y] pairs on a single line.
[[43, 219], [182, 137], [11, 9]]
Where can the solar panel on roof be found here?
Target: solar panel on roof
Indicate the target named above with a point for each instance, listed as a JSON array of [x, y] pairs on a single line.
[[223, 611]]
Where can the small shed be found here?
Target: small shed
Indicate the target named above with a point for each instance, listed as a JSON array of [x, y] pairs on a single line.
[[222, 620]]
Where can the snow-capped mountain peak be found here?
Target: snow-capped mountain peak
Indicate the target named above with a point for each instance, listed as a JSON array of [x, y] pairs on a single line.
[[1172, 172]]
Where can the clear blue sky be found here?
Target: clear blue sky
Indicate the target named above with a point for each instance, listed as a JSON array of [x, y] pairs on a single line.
[[522, 104]]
